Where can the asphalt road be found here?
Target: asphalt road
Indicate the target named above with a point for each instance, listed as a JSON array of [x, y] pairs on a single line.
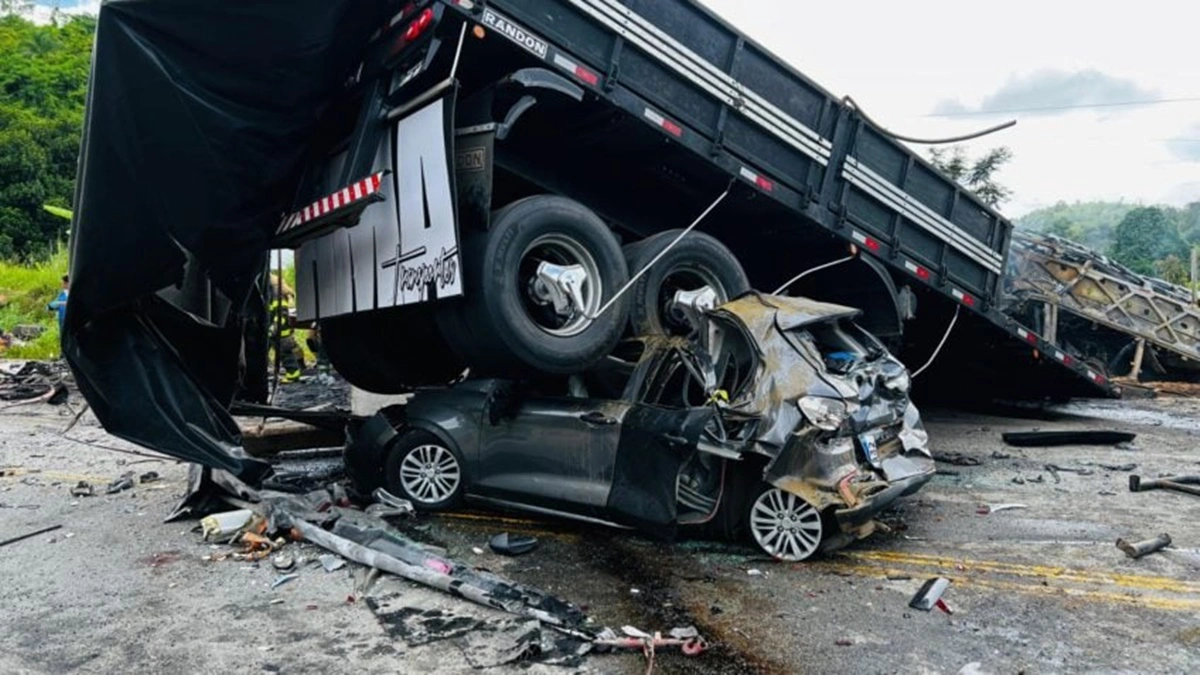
[[1037, 589]]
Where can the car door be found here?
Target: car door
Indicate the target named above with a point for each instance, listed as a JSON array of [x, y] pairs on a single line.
[[551, 452]]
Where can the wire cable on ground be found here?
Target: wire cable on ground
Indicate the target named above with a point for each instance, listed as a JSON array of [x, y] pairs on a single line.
[[926, 141], [941, 344]]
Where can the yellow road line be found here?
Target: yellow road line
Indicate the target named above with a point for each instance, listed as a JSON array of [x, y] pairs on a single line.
[[1039, 571], [1154, 602]]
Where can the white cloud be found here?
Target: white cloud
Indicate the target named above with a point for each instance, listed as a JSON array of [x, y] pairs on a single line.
[[900, 60]]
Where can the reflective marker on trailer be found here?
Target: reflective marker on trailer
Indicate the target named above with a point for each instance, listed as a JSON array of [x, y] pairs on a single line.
[[964, 298], [1065, 358], [1027, 336], [330, 203], [758, 180], [667, 125], [869, 243], [577, 70], [921, 272], [1096, 377]]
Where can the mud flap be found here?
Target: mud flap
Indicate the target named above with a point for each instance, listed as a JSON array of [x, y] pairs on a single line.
[[655, 442]]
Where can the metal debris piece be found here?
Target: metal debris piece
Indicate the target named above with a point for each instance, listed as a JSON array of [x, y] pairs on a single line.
[[988, 509], [1119, 467], [149, 477], [512, 544], [1186, 484], [44, 530], [331, 563], [930, 595], [225, 525], [283, 579], [1138, 549], [283, 562], [125, 482], [956, 458], [1045, 439], [1054, 468], [755, 573], [83, 489], [392, 502]]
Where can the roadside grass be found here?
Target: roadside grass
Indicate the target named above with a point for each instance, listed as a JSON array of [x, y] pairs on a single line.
[[25, 290]]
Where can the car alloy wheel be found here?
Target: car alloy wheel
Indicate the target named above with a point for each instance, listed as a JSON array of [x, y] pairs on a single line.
[[784, 525], [430, 474]]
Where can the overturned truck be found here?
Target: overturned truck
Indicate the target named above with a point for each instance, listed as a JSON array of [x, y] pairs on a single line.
[[507, 188]]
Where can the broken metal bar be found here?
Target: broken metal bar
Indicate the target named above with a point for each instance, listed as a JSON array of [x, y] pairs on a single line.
[[1043, 439], [44, 530], [427, 577], [273, 439], [1138, 549], [1186, 484]]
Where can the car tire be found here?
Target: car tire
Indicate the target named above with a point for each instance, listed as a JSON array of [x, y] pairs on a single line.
[[506, 325], [784, 525], [698, 260], [391, 351], [425, 470]]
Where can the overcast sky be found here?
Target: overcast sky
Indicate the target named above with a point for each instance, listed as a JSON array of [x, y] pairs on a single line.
[[903, 62], [907, 62]]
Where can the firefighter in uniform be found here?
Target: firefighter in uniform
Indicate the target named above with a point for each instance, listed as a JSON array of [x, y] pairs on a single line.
[[282, 333]]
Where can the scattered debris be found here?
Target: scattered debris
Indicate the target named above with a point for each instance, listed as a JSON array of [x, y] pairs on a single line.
[[956, 458], [1118, 467], [1138, 549], [44, 530], [125, 482], [331, 563], [149, 477], [1186, 484], [388, 505], [756, 573], [1045, 439], [1055, 468], [220, 526], [930, 596], [283, 563], [843, 642], [1018, 480], [83, 489], [476, 550], [283, 579], [987, 509], [996, 454], [510, 544], [691, 645]]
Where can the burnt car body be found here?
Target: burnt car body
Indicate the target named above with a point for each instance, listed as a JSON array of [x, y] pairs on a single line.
[[798, 429]]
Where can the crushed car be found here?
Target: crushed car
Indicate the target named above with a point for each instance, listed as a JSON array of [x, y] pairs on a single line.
[[779, 420]]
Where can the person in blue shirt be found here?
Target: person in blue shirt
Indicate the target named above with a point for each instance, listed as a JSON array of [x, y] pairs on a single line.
[[59, 304]]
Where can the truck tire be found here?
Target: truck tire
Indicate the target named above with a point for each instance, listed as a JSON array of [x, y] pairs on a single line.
[[698, 260], [390, 351], [508, 323]]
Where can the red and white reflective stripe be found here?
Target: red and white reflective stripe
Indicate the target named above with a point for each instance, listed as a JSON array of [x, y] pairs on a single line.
[[667, 125], [1027, 336], [921, 272], [576, 70], [870, 243], [1096, 377], [758, 180], [965, 298], [1064, 357], [330, 203]]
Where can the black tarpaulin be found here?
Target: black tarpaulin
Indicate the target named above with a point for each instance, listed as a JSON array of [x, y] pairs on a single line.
[[198, 119]]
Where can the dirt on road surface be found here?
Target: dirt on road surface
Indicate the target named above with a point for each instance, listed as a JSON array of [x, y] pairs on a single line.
[[1035, 588]]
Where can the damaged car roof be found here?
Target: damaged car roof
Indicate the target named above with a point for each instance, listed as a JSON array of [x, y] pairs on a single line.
[[760, 313]]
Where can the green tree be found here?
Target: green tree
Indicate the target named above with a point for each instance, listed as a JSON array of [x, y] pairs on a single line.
[[1145, 236], [43, 86], [979, 175]]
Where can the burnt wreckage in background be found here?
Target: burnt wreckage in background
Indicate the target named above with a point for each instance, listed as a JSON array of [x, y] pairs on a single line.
[[780, 419]]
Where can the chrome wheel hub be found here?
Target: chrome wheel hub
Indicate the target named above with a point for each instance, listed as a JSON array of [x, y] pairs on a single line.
[[785, 525], [430, 474]]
